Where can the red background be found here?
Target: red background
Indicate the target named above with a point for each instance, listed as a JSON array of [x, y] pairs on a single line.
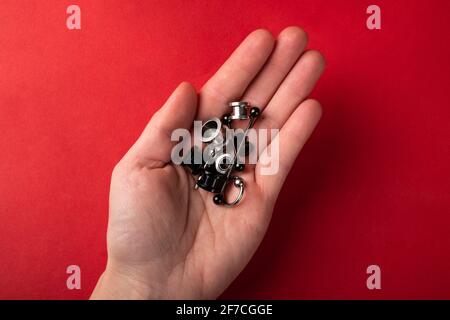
[[371, 187]]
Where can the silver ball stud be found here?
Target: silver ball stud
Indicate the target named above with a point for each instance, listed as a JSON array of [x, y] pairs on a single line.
[[238, 182]]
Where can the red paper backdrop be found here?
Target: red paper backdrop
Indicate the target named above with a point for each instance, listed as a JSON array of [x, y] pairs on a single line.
[[371, 187]]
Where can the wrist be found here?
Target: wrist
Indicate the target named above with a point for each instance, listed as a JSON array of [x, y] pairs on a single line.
[[117, 285]]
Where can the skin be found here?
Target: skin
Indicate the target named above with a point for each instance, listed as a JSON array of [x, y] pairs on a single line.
[[169, 241]]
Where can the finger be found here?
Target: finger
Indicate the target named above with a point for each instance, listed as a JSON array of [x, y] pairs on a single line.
[[291, 138], [231, 80], [294, 89], [289, 46], [153, 148]]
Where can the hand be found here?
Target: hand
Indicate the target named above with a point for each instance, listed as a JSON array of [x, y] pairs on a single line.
[[167, 240]]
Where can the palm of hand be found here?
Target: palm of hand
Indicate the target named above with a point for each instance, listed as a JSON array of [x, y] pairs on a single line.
[[173, 239], [163, 227]]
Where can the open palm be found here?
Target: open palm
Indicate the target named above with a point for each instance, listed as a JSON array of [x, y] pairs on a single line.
[[168, 240]]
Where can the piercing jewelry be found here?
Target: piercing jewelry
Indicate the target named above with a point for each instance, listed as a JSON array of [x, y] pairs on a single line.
[[215, 172]]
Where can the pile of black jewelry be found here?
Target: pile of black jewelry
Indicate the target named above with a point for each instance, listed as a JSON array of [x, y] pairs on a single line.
[[215, 170]]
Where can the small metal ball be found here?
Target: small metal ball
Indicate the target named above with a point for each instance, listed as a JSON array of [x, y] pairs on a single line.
[[239, 167], [226, 118], [238, 182], [218, 199], [255, 112]]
